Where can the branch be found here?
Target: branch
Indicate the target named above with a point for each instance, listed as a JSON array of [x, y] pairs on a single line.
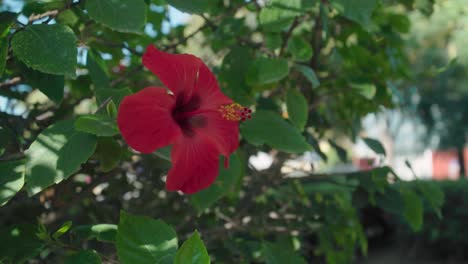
[[51, 14], [12, 82], [288, 34]]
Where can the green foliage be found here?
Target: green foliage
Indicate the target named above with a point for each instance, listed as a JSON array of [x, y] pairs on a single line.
[[375, 145], [99, 125], [47, 48], [56, 154], [144, 240], [120, 15], [309, 71], [297, 108], [19, 243], [285, 137], [276, 254], [11, 180], [192, 251], [49, 84], [84, 256], [263, 71]]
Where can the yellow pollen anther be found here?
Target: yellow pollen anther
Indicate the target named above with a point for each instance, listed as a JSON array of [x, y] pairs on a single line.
[[235, 112]]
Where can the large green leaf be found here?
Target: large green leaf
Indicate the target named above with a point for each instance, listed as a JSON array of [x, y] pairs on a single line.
[[277, 254], [193, 251], [11, 179], [56, 154], [49, 84], [279, 14], [267, 127], [358, 11], [47, 48], [413, 211], [120, 15], [297, 108], [99, 125], [84, 256], [143, 240], [263, 71], [227, 178], [192, 6]]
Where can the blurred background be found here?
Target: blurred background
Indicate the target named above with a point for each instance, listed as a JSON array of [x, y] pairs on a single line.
[[387, 99]]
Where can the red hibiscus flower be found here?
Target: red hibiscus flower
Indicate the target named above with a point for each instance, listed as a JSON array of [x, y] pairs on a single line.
[[195, 117]]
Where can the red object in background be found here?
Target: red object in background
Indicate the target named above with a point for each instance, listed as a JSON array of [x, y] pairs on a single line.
[[365, 164], [445, 164]]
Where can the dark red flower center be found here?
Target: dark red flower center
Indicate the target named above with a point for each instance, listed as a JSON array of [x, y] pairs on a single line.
[[186, 115]]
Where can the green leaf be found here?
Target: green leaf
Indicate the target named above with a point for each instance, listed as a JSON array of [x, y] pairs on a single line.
[[375, 145], [193, 251], [300, 48], [433, 195], [119, 15], [11, 179], [108, 153], [357, 11], [50, 85], [84, 256], [277, 254], [47, 48], [99, 125], [19, 243], [339, 150], [309, 74], [3, 55], [367, 90], [56, 154], [193, 6], [143, 240], [224, 183], [263, 71], [102, 232], [62, 230], [297, 108], [279, 14], [273, 40], [233, 72], [97, 70], [414, 209], [116, 94], [258, 131], [7, 19]]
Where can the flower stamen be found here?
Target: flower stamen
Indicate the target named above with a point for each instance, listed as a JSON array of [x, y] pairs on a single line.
[[235, 112]]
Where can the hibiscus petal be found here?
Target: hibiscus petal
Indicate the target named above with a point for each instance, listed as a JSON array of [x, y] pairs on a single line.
[[223, 133], [145, 119], [186, 76], [195, 165]]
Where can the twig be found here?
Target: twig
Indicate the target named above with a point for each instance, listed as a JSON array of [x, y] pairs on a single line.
[[288, 34], [12, 82], [51, 14], [103, 104]]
